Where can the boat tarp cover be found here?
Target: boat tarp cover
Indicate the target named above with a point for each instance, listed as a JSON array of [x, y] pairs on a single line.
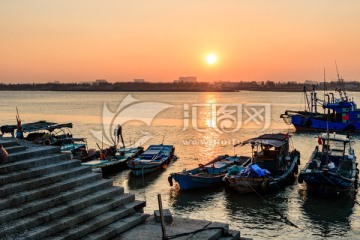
[[335, 137], [260, 172], [276, 140], [36, 126]]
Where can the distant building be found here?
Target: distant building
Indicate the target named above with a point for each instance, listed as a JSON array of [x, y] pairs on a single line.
[[56, 82], [100, 82], [310, 82], [139, 80], [187, 80]]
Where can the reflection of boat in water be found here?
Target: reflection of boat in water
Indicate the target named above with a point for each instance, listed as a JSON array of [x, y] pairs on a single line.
[[328, 219], [270, 212], [154, 158], [136, 183], [340, 114], [273, 165], [209, 174], [333, 169], [199, 199]]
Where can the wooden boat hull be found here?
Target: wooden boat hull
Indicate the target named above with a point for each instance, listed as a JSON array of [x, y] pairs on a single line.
[[139, 170], [156, 157], [115, 164], [265, 184], [208, 175], [327, 184], [304, 123], [187, 182]]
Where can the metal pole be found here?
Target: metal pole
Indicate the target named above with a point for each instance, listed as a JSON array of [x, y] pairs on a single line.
[[164, 237]]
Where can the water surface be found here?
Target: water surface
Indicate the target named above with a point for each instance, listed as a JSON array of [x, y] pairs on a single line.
[[197, 141]]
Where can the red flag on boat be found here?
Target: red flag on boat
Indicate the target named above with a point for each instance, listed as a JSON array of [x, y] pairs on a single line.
[[319, 140]]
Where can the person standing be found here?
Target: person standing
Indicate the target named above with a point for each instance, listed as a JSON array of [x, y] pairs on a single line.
[[119, 135]]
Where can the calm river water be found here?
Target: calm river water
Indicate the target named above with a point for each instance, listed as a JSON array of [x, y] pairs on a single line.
[[201, 126]]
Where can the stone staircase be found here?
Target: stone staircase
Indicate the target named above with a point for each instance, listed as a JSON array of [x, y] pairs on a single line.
[[46, 195]]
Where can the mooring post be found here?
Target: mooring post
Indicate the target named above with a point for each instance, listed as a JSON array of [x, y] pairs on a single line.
[[164, 237]]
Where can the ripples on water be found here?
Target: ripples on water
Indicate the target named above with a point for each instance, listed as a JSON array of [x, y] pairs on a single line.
[[257, 217]]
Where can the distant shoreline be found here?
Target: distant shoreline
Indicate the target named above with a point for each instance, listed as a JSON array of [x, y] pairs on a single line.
[[267, 86]]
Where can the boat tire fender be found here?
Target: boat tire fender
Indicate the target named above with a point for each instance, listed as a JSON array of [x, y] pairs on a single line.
[[298, 161], [300, 179], [296, 169], [47, 142], [170, 180]]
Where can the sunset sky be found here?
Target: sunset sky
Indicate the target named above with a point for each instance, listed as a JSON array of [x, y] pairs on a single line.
[[160, 40]]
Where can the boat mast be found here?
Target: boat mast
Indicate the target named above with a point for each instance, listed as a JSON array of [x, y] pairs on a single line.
[[313, 100], [342, 85], [326, 95], [306, 100]]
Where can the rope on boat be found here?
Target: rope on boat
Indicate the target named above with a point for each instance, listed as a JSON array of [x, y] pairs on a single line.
[[336, 187], [275, 210]]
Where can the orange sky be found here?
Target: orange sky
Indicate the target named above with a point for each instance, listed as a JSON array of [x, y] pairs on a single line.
[[160, 40]]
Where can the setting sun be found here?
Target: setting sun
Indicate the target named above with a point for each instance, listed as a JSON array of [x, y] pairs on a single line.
[[211, 58]]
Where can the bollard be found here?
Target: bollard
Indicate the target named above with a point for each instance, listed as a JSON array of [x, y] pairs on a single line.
[[164, 237]]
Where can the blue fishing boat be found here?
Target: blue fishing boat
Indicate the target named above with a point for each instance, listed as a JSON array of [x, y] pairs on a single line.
[[273, 165], [209, 174], [338, 114], [331, 170], [154, 158]]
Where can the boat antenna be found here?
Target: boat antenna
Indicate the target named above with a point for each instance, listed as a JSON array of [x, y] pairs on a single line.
[[342, 84], [324, 85], [163, 139]]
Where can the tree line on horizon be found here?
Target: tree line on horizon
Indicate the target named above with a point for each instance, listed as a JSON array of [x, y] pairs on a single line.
[[179, 87]]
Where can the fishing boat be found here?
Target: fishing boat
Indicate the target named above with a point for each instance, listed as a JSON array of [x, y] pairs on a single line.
[[79, 150], [272, 165], [209, 174], [154, 158], [113, 160], [331, 170], [339, 114], [45, 133]]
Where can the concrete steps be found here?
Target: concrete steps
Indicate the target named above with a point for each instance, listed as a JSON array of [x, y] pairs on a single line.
[[45, 194], [116, 228], [36, 161]]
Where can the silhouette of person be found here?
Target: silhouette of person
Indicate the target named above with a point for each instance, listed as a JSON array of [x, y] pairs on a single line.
[[119, 135]]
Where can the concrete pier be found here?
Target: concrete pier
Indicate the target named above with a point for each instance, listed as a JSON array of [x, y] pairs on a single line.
[[44, 194]]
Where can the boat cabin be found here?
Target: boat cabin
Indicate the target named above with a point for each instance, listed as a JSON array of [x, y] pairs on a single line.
[[333, 155], [270, 151]]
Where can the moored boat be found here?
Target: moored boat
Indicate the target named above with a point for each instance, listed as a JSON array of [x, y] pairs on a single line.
[[113, 160], [154, 158], [331, 170], [339, 114], [45, 133], [209, 174], [272, 167]]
